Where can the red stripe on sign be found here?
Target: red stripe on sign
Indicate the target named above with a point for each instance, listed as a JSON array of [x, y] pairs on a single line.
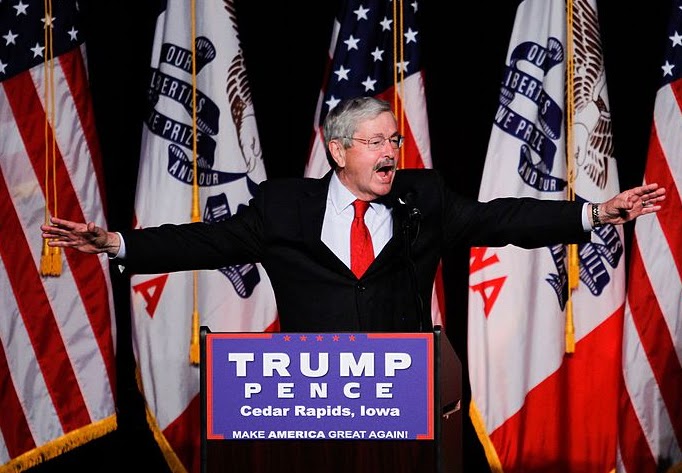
[[568, 422], [33, 303], [656, 339], [13, 425], [657, 170]]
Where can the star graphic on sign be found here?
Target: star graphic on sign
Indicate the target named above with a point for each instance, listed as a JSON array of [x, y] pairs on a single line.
[[319, 338], [351, 338], [37, 50], [667, 69], [10, 37], [287, 338], [335, 338], [303, 338]]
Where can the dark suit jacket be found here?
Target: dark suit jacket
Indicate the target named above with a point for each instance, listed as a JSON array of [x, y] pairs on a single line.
[[314, 290]]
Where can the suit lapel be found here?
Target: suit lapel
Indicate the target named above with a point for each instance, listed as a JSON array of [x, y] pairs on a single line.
[[312, 208]]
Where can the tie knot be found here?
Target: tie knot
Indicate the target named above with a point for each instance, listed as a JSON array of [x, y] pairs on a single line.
[[360, 207]]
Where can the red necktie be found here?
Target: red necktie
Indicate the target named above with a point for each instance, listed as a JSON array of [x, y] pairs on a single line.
[[361, 251]]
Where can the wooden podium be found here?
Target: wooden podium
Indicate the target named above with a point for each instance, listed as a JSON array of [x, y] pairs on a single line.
[[441, 454]]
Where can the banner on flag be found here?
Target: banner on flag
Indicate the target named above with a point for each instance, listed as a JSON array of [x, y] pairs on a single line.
[[57, 330], [535, 406], [650, 431], [375, 51], [229, 165]]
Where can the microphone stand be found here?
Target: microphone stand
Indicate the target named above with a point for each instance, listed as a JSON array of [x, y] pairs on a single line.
[[412, 224]]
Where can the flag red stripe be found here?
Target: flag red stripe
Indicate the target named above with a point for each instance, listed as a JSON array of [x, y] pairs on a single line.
[[656, 340], [39, 320], [74, 71], [13, 424], [634, 449], [412, 157], [657, 170], [31, 298]]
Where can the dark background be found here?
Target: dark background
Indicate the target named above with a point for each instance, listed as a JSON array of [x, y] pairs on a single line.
[[285, 47]]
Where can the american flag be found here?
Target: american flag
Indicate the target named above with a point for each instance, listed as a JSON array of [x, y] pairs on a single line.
[[375, 51], [650, 437], [57, 359]]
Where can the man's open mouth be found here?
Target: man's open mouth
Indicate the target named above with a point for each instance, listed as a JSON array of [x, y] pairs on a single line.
[[385, 166]]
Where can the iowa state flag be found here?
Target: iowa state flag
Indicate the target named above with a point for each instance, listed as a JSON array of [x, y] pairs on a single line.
[[57, 351], [229, 165], [535, 405]]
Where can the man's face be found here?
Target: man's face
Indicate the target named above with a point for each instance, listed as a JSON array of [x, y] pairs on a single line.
[[368, 174]]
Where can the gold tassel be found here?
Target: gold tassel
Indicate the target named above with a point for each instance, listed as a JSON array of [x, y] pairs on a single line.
[[194, 341], [45, 260], [56, 261]]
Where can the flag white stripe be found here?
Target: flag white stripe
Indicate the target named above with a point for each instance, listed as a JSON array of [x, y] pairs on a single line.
[[668, 123]]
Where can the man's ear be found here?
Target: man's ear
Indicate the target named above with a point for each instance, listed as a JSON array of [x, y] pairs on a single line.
[[338, 152]]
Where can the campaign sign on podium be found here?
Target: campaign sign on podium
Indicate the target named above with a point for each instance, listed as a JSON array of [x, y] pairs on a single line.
[[319, 386]]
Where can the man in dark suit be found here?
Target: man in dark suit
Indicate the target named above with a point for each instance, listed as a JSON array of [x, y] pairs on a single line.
[[299, 230]]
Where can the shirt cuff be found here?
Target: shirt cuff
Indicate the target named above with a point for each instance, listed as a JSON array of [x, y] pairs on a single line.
[[587, 226]]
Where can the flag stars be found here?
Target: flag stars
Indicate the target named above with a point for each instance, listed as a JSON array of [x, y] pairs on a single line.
[[21, 8], [415, 6], [37, 50], [342, 73], [676, 39], [369, 84], [385, 24], [361, 13], [2, 67], [377, 54], [332, 102], [73, 33], [352, 43], [48, 21], [402, 66], [10, 37], [411, 36], [667, 69]]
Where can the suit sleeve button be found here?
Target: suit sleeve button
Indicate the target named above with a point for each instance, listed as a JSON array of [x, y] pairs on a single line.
[[360, 287]]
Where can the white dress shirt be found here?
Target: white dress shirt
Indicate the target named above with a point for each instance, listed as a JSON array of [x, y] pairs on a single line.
[[338, 216]]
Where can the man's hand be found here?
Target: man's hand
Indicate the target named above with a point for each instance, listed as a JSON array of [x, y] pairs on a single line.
[[85, 237], [630, 204]]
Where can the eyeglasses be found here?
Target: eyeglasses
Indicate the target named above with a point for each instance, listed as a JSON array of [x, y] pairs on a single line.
[[377, 142]]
